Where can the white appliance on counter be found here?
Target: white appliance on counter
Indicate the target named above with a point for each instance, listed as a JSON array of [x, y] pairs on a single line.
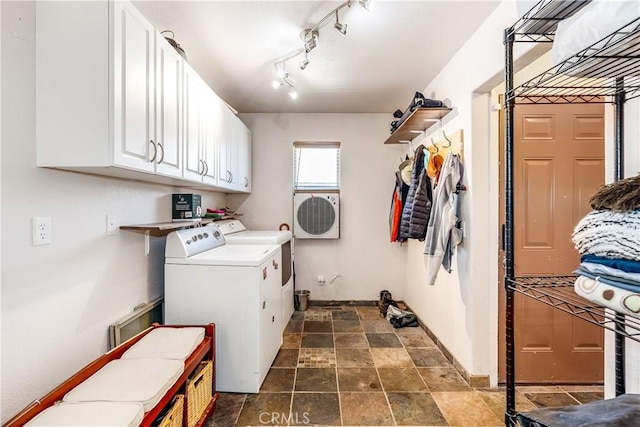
[[237, 287], [235, 232]]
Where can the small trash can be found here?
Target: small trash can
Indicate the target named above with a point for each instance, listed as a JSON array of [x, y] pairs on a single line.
[[301, 300]]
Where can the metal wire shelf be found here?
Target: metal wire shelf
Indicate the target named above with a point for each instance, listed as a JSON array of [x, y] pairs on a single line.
[[557, 291], [606, 62]]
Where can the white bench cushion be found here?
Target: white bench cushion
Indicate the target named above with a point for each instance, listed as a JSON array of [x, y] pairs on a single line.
[[129, 380], [166, 343], [90, 414]]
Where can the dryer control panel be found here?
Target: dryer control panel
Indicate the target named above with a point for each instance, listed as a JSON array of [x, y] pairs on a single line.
[[193, 241]]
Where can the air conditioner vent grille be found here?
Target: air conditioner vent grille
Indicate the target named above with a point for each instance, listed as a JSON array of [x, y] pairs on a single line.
[[316, 216]]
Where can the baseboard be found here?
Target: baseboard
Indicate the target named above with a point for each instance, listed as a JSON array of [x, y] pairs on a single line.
[[334, 303]]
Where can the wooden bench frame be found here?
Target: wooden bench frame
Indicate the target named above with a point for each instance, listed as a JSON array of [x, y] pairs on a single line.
[[206, 350]]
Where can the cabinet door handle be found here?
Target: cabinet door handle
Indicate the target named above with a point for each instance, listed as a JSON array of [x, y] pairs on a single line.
[[228, 175], [206, 170], [275, 265], [264, 273], [155, 151], [273, 319], [246, 181], [161, 147], [231, 180], [264, 304], [200, 163]]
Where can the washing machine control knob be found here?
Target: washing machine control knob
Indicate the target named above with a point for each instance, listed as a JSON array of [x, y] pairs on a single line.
[[206, 235]]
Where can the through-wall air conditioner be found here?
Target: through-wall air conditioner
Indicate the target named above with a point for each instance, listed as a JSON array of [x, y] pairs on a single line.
[[316, 215]]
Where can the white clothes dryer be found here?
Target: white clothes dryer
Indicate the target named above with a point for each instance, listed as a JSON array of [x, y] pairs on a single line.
[[235, 232]]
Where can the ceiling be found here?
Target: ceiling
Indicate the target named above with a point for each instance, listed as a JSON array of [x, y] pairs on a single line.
[[388, 53]]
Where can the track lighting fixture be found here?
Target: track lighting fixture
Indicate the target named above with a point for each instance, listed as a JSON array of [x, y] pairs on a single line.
[[340, 27], [309, 38], [303, 64]]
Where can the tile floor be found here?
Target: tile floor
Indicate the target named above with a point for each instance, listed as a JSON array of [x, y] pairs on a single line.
[[345, 366]]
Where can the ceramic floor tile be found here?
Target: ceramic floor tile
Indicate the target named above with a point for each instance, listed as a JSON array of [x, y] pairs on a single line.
[[466, 408], [278, 379], [416, 340], [391, 358], [368, 313], [317, 358], [358, 379], [318, 315], [365, 409], [265, 409], [354, 358], [401, 379], [383, 340], [316, 379], [290, 341], [345, 315], [340, 326], [350, 341], [293, 327], [496, 399], [443, 378], [377, 326], [545, 400], [298, 315], [317, 326], [317, 341], [315, 409], [415, 409], [587, 396], [286, 358], [427, 357], [228, 408]]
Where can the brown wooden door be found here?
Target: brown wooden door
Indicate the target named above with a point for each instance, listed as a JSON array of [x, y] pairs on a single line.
[[558, 165]]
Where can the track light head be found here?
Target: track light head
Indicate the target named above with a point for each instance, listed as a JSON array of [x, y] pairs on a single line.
[[309, 37], [293, 94], [340, 27], [367, 4], [304, 63], [276, 84]]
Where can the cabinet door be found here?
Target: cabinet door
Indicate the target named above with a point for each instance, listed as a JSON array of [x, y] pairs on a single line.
[[211, 125], [227, 174], [169, 87], [270, 323], [133, 86], [244, 159], [193, 85]]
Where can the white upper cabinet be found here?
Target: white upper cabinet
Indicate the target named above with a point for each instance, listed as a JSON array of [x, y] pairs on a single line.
[[169, 106], [234, 153], [123, 102]]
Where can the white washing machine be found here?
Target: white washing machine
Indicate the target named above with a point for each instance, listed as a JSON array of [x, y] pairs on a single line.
[[235, 232], [237, 287]]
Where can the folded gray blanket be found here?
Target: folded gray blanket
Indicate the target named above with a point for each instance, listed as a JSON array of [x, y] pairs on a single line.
[[609, 234]]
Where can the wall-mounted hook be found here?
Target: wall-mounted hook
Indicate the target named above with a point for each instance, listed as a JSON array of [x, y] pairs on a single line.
[[433, 142], [448, 140]]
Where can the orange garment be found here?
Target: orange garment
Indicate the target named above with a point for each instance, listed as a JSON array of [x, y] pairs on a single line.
[[434, 166]]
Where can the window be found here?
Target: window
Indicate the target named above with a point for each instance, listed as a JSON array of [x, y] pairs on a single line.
[[316, 165]]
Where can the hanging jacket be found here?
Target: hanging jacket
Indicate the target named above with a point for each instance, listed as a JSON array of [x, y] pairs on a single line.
[[417, 207], [442, 234], [397, 202]]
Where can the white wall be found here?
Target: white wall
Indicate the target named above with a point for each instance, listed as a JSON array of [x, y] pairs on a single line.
[[461, 308], [363, 255], [58, 300]]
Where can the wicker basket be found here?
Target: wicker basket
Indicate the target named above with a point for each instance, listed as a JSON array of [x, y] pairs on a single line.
[[173, 418], [199, 392]]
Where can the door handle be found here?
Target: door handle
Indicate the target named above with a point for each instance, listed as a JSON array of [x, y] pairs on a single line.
[[155, 151], [162, 156], [275, 265]]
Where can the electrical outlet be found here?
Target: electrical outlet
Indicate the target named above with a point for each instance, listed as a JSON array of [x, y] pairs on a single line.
[[112, 226], [41, 233]]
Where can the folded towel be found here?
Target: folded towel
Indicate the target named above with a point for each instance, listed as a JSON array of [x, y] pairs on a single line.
[[610, 271], [609, 234], [626, 265], [613, 281]]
